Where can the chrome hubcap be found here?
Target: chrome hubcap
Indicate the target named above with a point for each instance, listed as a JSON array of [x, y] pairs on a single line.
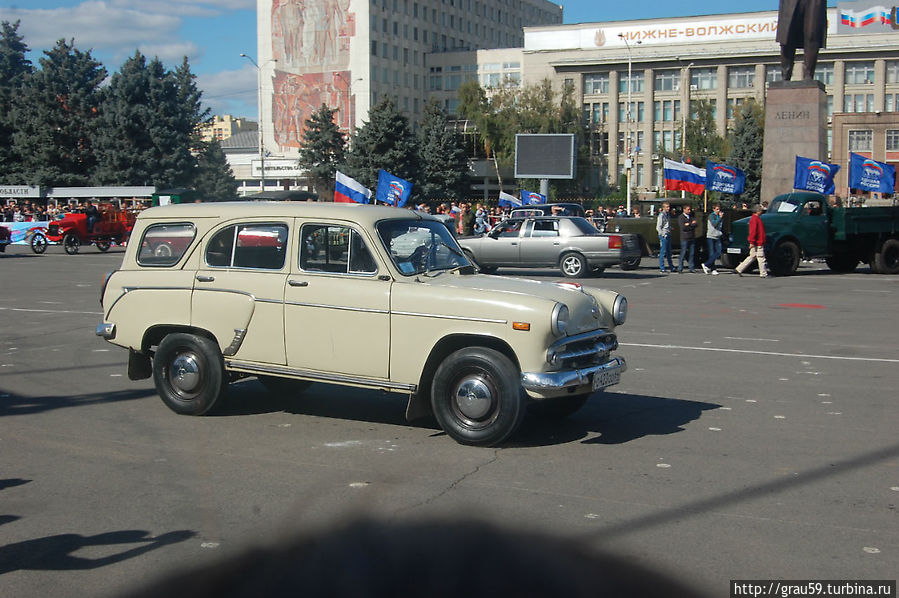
[[474, 398], [184, 372]]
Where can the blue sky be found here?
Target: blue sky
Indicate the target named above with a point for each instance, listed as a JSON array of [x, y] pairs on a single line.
[[213, 33]]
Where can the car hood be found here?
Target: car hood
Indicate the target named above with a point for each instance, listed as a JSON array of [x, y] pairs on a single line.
[[580, 304]]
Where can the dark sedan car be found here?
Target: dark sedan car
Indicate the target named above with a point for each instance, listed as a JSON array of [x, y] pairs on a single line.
[[571, 244]]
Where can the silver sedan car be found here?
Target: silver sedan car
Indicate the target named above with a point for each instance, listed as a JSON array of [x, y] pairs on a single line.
[[571, 244]]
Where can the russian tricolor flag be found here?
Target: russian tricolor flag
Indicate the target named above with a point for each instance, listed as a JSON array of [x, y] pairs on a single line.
[[349, 190], [684, 177]]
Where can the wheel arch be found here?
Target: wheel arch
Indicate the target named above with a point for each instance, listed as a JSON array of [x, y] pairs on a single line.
[[154, 335], [420, 403]]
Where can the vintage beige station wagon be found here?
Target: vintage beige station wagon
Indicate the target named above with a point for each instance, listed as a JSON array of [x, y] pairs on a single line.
[[358, 295]]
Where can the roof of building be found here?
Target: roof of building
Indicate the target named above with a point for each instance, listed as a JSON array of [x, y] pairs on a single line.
[[244, 140]]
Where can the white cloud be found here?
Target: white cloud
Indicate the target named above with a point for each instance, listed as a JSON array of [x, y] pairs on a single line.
[[231, 92], [172, 53]]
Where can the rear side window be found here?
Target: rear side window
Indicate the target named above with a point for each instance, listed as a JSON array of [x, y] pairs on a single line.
[[258, 246], [165, 244]]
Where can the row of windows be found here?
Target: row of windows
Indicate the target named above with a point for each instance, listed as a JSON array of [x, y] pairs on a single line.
[[479, 10], [738, 77], [863, 140]]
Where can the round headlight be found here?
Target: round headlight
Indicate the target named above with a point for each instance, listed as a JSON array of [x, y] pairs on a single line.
[[619, 310], [560, 319]]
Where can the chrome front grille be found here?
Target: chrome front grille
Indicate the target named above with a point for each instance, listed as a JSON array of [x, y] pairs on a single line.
[[582, 349]]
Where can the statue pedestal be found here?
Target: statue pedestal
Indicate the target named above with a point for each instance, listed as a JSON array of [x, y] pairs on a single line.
[[795, 125]]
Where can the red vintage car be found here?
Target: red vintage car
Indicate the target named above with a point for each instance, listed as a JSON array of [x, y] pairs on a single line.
[[114, 226]]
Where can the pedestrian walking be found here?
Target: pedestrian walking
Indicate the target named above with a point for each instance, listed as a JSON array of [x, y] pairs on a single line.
[[713, 234], [663, 227], [687, 222], [756, 244]]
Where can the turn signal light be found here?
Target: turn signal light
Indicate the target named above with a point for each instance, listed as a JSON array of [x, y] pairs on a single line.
[[526, 326], [615, 242]]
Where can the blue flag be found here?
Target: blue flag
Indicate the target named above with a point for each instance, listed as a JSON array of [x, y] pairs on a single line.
[[530, 197], [392, 190], [726, 179], [870, 175], [814, 175]]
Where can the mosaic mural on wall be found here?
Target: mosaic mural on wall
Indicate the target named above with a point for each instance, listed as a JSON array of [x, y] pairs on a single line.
[[311, 43]]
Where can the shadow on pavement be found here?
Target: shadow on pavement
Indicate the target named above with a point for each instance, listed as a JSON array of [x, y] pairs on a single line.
[[56, 553], [616, 417], [12, 404]]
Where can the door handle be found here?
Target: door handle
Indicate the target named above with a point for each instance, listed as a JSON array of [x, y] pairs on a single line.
[[202, 278], [298, 283]]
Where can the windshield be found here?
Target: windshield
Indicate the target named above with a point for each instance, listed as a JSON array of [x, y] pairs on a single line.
[[420, 246], [786, 204]]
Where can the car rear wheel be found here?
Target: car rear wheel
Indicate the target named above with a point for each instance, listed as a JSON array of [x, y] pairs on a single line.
[[573, 265], [72, 243], [476, 396], [104, 245], [886, 261], [189, 373], [38, 243]]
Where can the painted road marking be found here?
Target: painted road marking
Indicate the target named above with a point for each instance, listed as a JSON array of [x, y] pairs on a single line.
[[51, 311], [771, 353], [764, 340]]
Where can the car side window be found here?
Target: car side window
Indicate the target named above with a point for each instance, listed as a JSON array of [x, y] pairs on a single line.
[[545, 228], [510, 228], [334, 249], [165, 244], [257, 246], [813, 208]]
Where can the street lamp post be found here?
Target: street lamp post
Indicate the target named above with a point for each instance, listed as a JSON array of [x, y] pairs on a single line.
[[628, 159], [261, 125]]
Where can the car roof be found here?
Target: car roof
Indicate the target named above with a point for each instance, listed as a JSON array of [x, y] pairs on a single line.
[[365, 214]]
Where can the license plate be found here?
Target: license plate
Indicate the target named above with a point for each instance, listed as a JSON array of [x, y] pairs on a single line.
[[602, 379], [733, 250]]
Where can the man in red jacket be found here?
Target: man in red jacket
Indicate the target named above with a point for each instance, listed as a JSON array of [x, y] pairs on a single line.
[[756, 244]]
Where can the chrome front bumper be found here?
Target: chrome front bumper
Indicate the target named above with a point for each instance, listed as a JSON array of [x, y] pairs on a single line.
[[538, 381]]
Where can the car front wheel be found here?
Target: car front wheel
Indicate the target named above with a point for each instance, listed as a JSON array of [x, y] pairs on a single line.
[[189, 373], [476, 396]]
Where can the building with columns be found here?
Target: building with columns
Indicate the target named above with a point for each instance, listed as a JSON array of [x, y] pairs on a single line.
[[725, 59]]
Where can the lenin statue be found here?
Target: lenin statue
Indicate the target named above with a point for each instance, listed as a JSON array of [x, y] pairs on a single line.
[[801, 24]]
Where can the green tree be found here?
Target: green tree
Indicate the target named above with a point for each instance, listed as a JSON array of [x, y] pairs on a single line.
[[213, 178], [56, 117], [14, 68], [703, 140], [385, 141], [148, 126], [442, 158], [323, 150], [747, 144]]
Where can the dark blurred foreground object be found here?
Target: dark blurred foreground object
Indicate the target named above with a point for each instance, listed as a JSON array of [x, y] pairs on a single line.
[[470, 559], [801, 24]]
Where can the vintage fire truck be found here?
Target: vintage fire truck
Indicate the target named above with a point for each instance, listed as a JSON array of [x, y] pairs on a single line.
[[114, 226]]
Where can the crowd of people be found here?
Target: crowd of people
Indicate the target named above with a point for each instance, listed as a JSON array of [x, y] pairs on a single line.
[[32, 211]]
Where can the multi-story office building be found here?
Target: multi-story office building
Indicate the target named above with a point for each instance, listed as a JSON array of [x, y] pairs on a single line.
[[350, 54], [725, 59]]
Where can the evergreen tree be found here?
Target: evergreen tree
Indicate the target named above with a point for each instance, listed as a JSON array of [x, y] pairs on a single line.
[[149, 126], [441, 153], [747, 144], [56, 117], [323, 150], [385, 141], [14, 67], [213, 178]]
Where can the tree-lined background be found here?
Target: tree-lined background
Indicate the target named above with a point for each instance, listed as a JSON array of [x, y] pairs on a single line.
[[66, 122]]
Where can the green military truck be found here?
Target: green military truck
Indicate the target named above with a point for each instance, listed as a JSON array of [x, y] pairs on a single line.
[[803, 224]]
